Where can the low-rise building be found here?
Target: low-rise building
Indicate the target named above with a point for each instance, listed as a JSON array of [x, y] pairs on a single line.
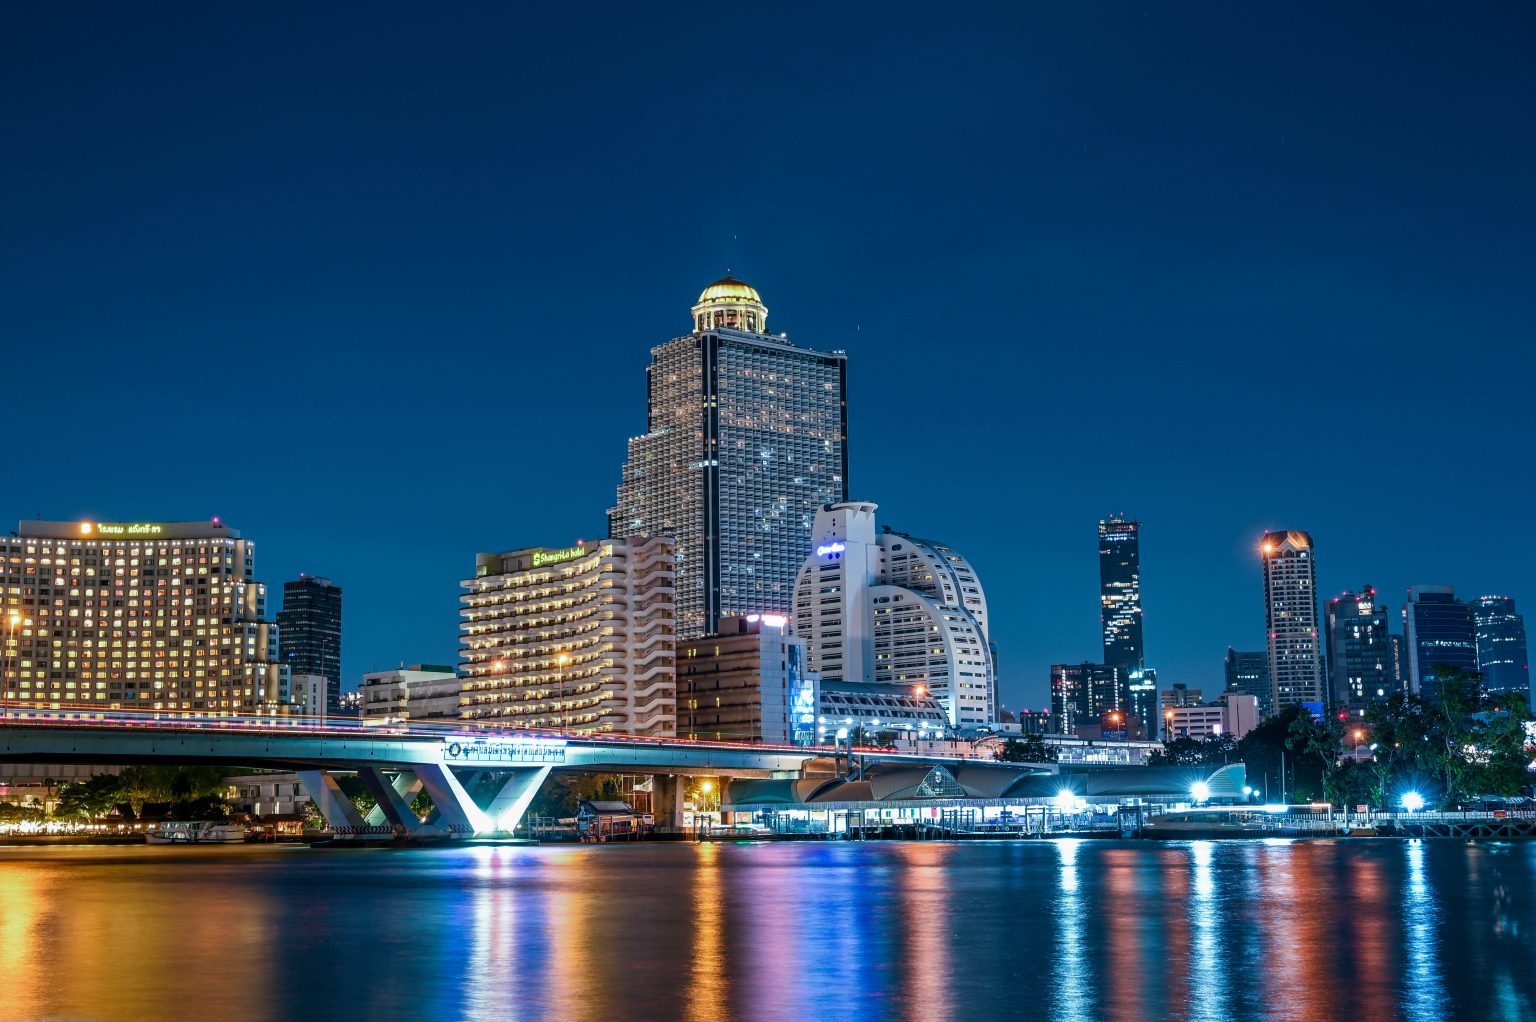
[[418, 692], [746, 682]]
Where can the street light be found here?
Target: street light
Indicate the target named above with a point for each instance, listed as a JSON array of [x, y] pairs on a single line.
[[1413, 801], [1200, 792]]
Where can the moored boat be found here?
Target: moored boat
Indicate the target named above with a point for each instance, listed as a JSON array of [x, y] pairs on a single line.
[[196, 832]]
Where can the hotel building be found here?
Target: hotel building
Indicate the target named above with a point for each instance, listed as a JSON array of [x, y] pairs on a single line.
[[746, 438], [581, 638], [1290, 613], [892, 609], [136, 616]]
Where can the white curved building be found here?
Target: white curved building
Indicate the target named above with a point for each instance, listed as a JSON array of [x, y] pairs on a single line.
[[581, 638], [886, 608]]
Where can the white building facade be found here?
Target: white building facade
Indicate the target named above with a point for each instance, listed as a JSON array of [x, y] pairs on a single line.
[[418, 692], [886, 608], [581, 639]]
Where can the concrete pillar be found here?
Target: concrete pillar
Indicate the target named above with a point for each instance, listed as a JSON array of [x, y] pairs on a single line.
[[507, 808], [667, 802], [338, 810], [393, 797], [453, 803]]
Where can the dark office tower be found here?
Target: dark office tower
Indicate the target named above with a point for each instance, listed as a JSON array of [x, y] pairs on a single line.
[[1501, 651], [1069, 697], [746, 439], [1290, 612], [1361, 670], [1120, 593], [1399, 663], [1141, 698], [309, 633], [1439, 632], [1248, 674], [1082, 693]]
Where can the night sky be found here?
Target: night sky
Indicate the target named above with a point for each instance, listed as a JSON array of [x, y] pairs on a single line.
[[379, 286]]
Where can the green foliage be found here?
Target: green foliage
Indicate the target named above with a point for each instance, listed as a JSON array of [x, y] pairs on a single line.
[[1029, 749], [198, 791], [93, 797], [1187, 751], [10, 812]]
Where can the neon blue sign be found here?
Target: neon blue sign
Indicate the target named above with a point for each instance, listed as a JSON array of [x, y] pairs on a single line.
[[828, 549]]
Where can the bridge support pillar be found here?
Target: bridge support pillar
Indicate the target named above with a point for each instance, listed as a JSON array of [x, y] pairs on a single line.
[[507, 808], [394, 798], [667, 802], [338, 810]]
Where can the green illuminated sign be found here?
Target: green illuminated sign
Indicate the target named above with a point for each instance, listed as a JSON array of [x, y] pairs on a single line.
[[121, 528], [543, 557]]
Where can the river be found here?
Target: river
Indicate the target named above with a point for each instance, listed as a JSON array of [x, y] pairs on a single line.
[[1067, 930]]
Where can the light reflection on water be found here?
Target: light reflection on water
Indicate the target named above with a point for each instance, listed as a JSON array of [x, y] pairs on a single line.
[[1067, 930]]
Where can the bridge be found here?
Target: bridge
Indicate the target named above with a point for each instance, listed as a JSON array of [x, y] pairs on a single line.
[[481, 780]]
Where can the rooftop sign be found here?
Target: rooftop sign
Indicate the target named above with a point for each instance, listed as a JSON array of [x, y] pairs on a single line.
[[121, 529], [543, 557]]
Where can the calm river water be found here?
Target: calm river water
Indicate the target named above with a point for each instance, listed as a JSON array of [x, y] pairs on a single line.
[[978, 931]]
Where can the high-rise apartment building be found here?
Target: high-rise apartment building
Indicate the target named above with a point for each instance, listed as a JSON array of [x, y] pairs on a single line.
[[1248, 674], [309, 634], [1120, 593], [136, 616], [1360, 656], [889, 608], [580, 638], [1290, 613], [746, 439], [1438, 631], [1501, 649], [746, 682]]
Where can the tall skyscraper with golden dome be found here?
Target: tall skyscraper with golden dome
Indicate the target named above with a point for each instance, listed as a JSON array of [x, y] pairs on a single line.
[[747, 437]]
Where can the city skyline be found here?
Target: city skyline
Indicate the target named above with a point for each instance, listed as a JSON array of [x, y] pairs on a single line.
[[371, 264]]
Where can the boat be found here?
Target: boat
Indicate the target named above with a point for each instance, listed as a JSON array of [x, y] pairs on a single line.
[[1203, 824], [197, 832]]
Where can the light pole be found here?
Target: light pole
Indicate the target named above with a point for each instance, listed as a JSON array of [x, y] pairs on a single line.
[[12, 619]]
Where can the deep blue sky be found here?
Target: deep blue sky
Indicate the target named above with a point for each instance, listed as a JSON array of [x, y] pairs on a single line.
[[378, 286]]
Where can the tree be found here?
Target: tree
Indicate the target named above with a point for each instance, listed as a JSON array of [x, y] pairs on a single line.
[[1029, 749], [93, 797], [1319, 739]]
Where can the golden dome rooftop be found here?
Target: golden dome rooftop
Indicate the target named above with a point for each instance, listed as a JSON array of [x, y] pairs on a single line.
[[730, 304]]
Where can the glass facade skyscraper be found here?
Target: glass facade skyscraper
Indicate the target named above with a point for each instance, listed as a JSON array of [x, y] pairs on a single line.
[[1361, 667], [1501, 649], [746, 439], [309, 634], [1120, 593], [1248, 674], [1439, 632], [1290, 611]]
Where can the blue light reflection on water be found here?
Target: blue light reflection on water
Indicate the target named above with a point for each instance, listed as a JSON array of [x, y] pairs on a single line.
[[1052, 930]]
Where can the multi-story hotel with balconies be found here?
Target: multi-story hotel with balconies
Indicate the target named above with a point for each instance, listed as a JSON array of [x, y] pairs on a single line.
[[747, 437], [138, 616], [581, 639]]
